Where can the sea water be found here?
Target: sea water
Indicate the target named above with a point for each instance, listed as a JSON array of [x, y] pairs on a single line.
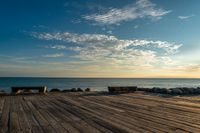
[[96, 84]]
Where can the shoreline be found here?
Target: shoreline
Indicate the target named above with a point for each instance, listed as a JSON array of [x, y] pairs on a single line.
[[118, 89]]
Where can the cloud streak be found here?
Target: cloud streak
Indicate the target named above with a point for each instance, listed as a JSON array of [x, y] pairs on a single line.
[[138, 10], [59, 47], [98, 49], [185, 17], [54, 55], [110, 42]]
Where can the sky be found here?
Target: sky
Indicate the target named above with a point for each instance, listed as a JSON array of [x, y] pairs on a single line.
[[100, 38]]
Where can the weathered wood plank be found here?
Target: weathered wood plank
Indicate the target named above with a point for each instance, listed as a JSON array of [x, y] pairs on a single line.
[[42, 108], [61, 117], [34, 125], [47, 128], [23, 120], [78, 123], [2, 100], [5, 116], [103, 118], [148, 112], [77, 112], [118, 115], [14, 126]]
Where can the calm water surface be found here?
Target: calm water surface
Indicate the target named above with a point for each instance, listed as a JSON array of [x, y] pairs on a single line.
[[97, 84]]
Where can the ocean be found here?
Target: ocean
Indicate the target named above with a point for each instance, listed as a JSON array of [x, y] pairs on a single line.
[[96, 84]]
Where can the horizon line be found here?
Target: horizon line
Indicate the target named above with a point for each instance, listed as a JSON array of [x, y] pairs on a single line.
[[100, 77]]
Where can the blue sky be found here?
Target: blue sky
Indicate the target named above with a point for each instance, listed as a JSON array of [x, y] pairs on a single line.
[[100, 38]]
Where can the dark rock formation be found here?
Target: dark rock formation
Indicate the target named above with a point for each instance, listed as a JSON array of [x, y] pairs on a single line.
[[73, 90], [186, 90], [197, 91], [156, 90], [66, 90], [143, 89], [79, 89], [87, 89], [55, 90], [117, 89], [176, 91], [171, 91]]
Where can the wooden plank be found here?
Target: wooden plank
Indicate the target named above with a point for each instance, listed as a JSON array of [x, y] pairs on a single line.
[[34, 125], [77, 112], [41, 120], [43, 110], [2, 100], [170, 109], [58, 114], [99, 116], [119, 115], [138, 111], [5, 116], [79, 124], [157, 115], [13, 116], [127, 119], [23, 120]]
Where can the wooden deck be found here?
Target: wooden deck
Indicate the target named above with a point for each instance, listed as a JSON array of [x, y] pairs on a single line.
[[94, 113]]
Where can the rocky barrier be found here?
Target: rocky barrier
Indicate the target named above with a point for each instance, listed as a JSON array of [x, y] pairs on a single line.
[[70, 90], [127, 89], [116, 89], [170, 91], [28, 91]]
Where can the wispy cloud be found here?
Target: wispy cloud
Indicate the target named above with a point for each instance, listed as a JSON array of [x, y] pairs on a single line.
[[100, 40], [185, 17], [136, 26], [59, 47], [98, 48], [76, 21], [140, 9], [54, 55]]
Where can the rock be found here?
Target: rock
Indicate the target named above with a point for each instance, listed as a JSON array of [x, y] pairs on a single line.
[[80, 90], [197, 90], [159, 90], [87, 89], [187, 90], [120, 89], [176, 91], [66, 90], [150, 90], [73, 90], [169, 91], [55, 90], [143, 89], [164, 91], [156, 90], [132, 88]]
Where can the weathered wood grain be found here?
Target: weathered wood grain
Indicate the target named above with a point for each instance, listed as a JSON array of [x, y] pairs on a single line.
[[91, 112]]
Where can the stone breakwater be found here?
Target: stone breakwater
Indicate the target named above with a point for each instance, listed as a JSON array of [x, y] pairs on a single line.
[[128, 89], [170, 91], [29, 91]]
